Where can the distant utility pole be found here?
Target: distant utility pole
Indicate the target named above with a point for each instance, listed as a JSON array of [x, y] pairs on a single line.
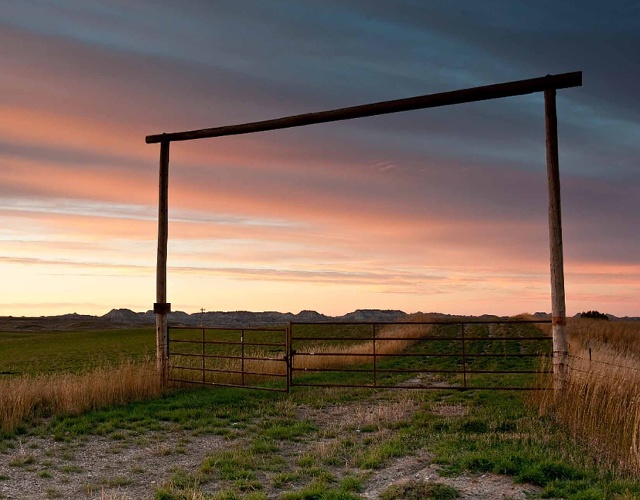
[[202, 309]]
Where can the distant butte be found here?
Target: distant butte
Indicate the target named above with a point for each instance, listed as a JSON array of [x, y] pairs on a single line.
[[126, 318]]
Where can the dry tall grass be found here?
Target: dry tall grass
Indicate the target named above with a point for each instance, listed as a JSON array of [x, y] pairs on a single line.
[[622, 336], [23, 398], [601, 406]]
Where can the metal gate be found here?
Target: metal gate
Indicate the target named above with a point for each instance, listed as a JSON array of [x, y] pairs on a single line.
[[459, 355], [252, 357]]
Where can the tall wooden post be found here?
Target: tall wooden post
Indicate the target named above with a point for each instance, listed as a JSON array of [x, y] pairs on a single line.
[[558, 308], [161, 307]]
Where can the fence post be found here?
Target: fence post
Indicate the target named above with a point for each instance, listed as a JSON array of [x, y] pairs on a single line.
[[290, 354], [161, 308], [464, 357], [288, 357], [204, 352], [375, 364], [242, 354], [558, 314]]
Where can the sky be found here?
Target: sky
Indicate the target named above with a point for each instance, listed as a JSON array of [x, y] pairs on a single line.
[[432, 210]]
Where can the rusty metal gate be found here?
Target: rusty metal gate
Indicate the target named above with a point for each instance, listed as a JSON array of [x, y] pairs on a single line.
[[489, 355], [459, 355], [252, 357]]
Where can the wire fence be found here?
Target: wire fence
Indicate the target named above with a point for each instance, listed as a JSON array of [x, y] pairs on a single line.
[[589, 366], [596, 361]]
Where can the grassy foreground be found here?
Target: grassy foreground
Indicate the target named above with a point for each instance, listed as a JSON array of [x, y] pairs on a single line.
[[281, 446]]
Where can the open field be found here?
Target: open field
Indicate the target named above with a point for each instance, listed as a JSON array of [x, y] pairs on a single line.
[[34, 353], [312, 443]]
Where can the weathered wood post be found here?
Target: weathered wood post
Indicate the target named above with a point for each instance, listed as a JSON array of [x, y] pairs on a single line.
[[161, 308], [558, 308]]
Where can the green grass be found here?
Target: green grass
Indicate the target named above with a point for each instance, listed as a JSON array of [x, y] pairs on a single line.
[[288, 429], [22, 461], [269, 447], [200, 410], [502, 435], [22, 353], [499, 434], [71, 469]]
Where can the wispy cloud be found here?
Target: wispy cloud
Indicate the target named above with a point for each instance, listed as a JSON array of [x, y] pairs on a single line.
[[436, 208]]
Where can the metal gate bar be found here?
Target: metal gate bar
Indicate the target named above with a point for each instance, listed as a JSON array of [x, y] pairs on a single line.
[[243, 358], [464, 338]]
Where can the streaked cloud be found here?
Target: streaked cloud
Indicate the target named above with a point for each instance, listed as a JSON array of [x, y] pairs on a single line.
[[441, 209]]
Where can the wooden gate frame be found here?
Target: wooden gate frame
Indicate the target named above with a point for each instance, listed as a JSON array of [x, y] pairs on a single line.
[[547, 84]]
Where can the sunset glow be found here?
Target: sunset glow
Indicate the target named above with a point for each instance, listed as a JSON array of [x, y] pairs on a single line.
[[435, 210]]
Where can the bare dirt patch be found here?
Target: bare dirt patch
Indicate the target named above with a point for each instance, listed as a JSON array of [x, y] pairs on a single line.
[[471, 487], [445, 410], [39, 468]]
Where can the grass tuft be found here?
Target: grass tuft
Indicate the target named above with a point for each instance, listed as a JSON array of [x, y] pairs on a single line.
[[419, 490]]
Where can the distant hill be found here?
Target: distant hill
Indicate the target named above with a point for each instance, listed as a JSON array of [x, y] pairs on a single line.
[[248, 318], [126, 318], [119, 316]]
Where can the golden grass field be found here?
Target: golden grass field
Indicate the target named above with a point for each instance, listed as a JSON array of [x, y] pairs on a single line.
[[24, 397], [601, 406]]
